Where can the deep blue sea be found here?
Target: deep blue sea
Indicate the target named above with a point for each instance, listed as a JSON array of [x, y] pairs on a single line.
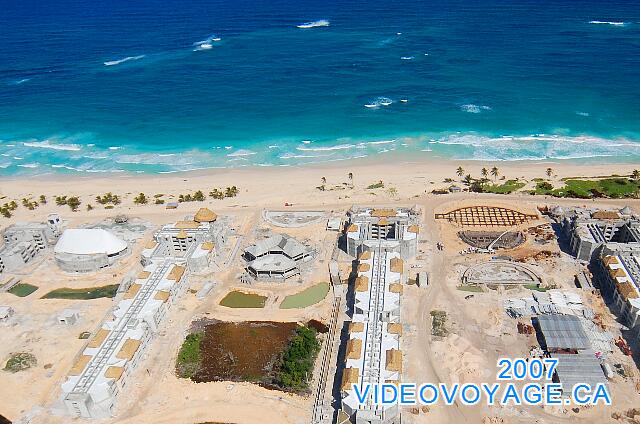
[[166, 86]]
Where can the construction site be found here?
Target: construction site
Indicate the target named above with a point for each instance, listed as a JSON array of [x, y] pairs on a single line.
[[432, 292]]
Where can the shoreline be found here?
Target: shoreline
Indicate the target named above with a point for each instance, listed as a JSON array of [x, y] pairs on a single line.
[[391, 158]]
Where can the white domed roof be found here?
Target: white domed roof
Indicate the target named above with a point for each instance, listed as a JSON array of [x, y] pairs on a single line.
[[89, 241]]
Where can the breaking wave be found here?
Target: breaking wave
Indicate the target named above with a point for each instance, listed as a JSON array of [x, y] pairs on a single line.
[[206, 44], [46, 144], [378, 102], [314, 24], [614, 23], [123, 60], [471, 108]]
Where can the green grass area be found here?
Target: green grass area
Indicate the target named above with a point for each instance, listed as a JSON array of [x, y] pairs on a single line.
[[83, 293], [188, 361], [439, 319], [614, 188], [507, 187], [20, 362], [536, 288], [473, 289], [22, 289], [238, 299], [307, 297], [296, 366]]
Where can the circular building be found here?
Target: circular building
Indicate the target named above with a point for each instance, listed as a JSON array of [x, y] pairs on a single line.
[[88, 249]]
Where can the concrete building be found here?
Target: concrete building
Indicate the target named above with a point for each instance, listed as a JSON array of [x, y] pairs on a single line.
[[396, 228], [88, 249], [6, 312], [68, 317], [193, 239], [589, 229], [277, 258], [23, 242], [619, 276], [373, 352], [104, 366]]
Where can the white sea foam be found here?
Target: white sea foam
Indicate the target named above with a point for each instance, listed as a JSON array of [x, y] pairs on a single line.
[[614, 23], [582, 113], [407, 57], [20, 81], [471, 108], [47, 144], [306, 141], [206, 44], [326, 148], [241, 153], [115, 147], [29, 165], [379, 101], [123, 60], [314, 24]]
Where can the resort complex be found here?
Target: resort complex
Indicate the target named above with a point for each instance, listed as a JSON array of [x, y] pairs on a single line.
[[217, 316]]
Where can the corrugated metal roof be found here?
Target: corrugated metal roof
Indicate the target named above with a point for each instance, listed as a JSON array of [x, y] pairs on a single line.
[[563, 332]]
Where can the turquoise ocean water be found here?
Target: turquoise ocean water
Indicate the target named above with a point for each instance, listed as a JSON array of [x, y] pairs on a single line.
[[157, 86]]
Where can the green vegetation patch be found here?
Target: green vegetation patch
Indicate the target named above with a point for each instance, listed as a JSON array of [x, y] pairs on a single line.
[[536, 287], [20, 362], [307, 297], [468, 288], [508, 187], [438, 321], [188, 361], [238, 299], [83, 293], [614, 188], [296, 365], [22, 289], [379, 184]]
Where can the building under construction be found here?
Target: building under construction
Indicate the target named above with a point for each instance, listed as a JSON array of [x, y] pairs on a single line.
[[372, 353], [104, 366], [395, 229]]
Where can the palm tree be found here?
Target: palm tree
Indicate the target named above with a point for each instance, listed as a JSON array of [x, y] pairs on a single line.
[[460, 171], [350, 175], [484, 172], [549, 172], [494, 173], [635, 174], [467, 179], [324, 180]]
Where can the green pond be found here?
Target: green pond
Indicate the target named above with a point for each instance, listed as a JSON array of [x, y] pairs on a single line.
[[307, 297], [238, 299]]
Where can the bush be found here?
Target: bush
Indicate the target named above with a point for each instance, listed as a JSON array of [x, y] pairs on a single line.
[[20, 362], [141, 199], [379, 184], [73, 203], [188, 361], [296, 366]]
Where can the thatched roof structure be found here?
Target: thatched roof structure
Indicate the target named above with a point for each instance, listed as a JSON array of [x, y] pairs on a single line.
[[356, 327], [354, 349], [394, 360], [205, 215], [394, 328], [605, 215], [414, 229], [362, 284], [79, 365], [627, 291], [97, 340], [383, 213], [365, 255], [207, 245], [133, 291], [395, 288], [143, 275], [364, 267], [186, 225], [182, 234], [397, 265], [162, 295], [128, 349], [176, 273], [353, 228], [114, 372], [350, 376]]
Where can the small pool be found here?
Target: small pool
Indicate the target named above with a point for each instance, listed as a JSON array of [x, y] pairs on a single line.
[[238, 299], [306, 297]]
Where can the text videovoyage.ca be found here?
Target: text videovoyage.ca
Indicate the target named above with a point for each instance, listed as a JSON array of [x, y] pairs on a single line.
[[519, 382]]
